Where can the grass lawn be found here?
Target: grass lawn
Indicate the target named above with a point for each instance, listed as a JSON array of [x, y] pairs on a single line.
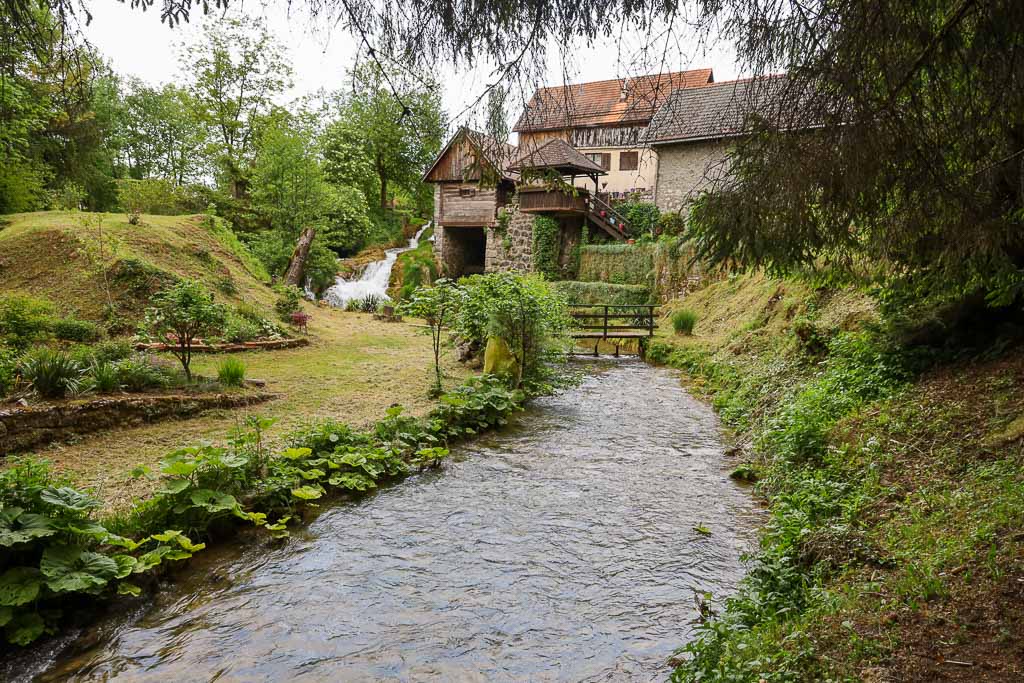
[[355, 368]]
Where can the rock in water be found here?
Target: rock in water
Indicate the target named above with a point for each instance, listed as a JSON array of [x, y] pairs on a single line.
[[498, 358]]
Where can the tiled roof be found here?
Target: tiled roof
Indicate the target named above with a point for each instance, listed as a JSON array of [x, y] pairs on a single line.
[[556, 154], [716, 111], [600, 103]]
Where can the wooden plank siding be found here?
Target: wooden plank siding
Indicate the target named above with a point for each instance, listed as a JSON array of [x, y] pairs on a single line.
[[458, 165], [468, 204]]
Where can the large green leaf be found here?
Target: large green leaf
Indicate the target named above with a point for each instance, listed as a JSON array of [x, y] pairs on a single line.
[[176, 466], [353, 481], [25, 628], [72, 569], [69, 499], [19, 585], [18, 526], [307, 492], [125, 565], [173, 486], [213, 501]]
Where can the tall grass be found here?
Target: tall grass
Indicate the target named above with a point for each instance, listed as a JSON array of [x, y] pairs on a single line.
[[683, 321], [231, 372]]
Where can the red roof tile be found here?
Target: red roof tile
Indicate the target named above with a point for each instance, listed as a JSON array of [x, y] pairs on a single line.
[[600, 103]]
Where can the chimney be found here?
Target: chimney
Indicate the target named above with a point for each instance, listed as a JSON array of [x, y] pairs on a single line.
[[624, 93]]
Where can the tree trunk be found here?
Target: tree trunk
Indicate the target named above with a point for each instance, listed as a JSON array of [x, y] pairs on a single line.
[[383, 184], [297, 264]]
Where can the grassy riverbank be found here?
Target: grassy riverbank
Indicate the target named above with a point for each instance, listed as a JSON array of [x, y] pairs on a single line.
[[894, 476]]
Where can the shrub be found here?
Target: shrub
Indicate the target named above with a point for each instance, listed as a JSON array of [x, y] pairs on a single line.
[[231, 372], [641, 216], [51, 374], [24, 320], [103, 377], [138, 373], [288, 301], [300, 319], [671, 224], [367, 304], [109, 351], [238, 329], [153, 196], [683, 321], [8, 370], [181, 314], [250, 312], [70, 329]]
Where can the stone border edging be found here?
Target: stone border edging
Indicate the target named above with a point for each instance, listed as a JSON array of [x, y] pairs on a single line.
[[22, 428], [269, 345]]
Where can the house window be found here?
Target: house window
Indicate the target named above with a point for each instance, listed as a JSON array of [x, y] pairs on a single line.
[[467, 191], [602, 159], [629, 161]]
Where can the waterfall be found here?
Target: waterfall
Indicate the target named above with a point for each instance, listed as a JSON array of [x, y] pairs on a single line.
[[374, 279]]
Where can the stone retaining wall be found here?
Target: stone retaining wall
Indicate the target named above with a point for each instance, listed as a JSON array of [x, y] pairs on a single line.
[[514, 249], [25, 427], [269, 345]]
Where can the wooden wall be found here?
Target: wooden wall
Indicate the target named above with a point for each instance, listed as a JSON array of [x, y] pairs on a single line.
[[467, 204], [457, 165]]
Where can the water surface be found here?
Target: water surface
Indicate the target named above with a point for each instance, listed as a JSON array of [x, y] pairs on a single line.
[[559, 549]]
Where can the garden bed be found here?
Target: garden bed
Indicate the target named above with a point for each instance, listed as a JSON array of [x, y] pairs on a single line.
[[24, 427], [267, 345]]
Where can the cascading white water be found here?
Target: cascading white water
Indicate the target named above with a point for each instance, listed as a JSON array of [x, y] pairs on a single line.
[[374, 279]]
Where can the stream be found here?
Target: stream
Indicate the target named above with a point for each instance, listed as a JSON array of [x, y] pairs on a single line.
[[373, 280], [561, 548]]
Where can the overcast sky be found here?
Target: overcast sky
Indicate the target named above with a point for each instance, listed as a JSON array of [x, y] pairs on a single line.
[[137, 43]]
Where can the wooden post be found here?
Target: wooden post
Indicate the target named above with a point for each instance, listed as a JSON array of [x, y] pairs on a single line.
[[604, 332]]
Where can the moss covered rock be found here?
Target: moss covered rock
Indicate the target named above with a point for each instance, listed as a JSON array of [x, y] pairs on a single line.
[[498, 358]]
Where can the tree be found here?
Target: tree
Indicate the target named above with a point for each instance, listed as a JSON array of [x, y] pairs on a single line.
[[400, 131], [240, 69], [909, 170], [182, 313], [160, 134], [347, 225], [288, 185], [497, 118], [437, 306], [345, 159]]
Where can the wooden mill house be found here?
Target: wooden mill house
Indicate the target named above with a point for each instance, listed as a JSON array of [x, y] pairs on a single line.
[[486, 198]]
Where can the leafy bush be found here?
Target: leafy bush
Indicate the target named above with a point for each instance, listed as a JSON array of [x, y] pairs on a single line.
[[139, 373], [604, 293], [289, 300], [238, 329], [70, 329], [8, 370], [526, 312], [152, 195], [103, 377], [231, 372], [181, 314], [683, 321], [50, 373], [642, 217], [670, 224], [24, 320], [108, 351]]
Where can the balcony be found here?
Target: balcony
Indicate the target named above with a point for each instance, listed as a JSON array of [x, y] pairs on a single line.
[[543, 200]]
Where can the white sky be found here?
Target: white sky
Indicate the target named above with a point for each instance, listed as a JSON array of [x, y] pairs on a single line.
[[138, 44]]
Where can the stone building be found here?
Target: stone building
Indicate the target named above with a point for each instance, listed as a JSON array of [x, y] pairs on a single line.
[[693, 130], [606, 122]]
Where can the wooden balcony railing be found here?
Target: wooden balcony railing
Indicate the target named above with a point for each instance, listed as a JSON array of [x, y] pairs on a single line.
[[541, 200]]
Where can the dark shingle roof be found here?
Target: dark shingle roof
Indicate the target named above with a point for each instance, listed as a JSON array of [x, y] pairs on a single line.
[[558, 155], [600, 103], [715, 111]]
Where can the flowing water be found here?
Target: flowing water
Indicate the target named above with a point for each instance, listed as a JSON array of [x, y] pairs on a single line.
[[373, 280], [561, 548]]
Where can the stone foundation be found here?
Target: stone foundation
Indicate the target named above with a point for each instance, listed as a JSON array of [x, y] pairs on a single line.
[[22, 428], [512, 250]]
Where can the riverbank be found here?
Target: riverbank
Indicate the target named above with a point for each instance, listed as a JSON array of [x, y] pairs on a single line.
[[894, 477], [354, 369]]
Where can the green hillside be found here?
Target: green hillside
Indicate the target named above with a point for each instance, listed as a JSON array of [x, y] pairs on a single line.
[[71, 258]]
